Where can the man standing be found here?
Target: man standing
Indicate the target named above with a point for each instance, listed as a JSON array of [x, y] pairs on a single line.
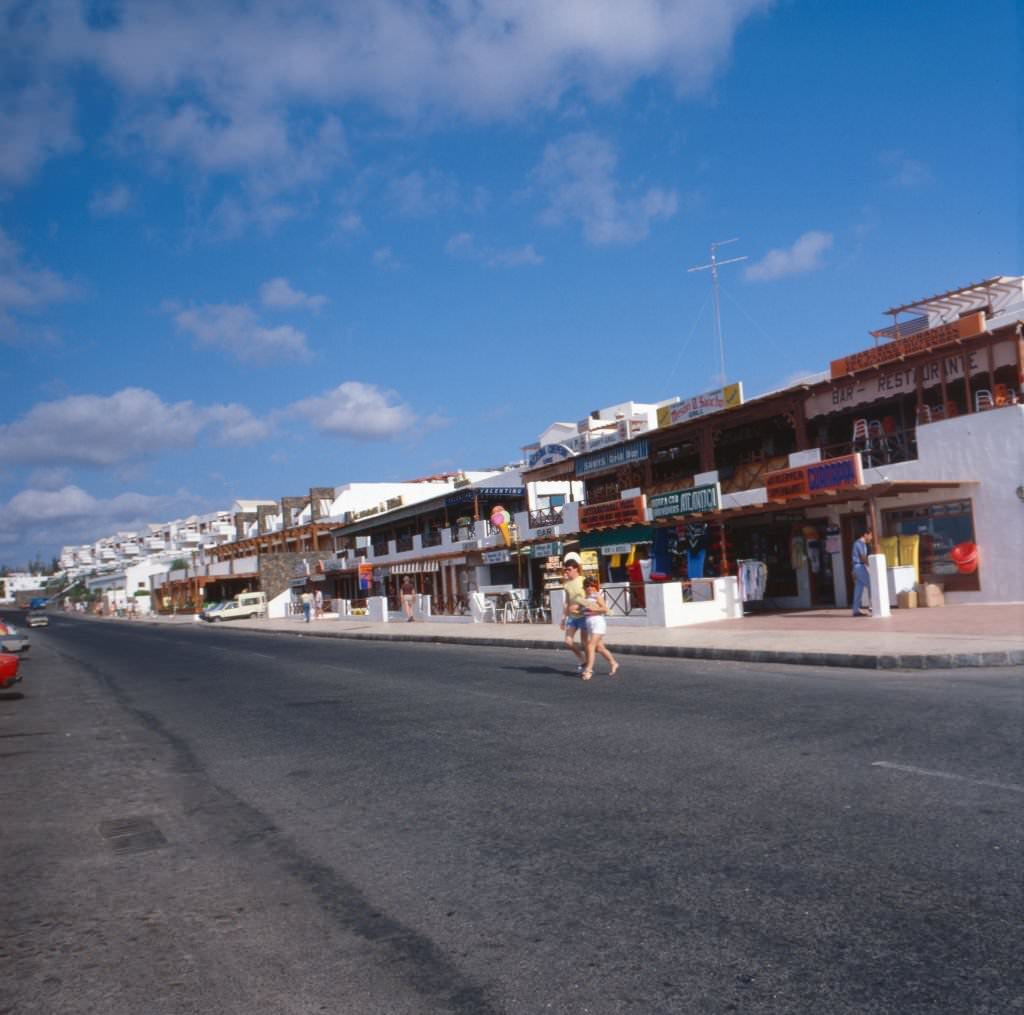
[[408, 594], [574, 617], [861, 578], [307, 606]]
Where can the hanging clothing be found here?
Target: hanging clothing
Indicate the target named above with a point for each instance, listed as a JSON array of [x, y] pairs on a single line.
[[697, 541], [753, 577]]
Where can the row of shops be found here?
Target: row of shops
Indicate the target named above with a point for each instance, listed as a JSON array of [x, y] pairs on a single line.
[[920, 436]]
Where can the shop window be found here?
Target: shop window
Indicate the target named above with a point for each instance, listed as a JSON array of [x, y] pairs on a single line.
[[946, 533]]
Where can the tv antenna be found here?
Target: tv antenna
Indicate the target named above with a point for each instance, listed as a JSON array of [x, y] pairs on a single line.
[[714, 265]]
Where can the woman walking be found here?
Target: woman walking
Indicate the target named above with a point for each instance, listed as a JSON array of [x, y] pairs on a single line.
[[596, 609]]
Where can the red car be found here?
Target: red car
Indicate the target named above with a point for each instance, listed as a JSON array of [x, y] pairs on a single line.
[[9, 674]]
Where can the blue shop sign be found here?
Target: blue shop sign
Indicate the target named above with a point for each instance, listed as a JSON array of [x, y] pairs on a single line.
[[695, 500], [610, 458]]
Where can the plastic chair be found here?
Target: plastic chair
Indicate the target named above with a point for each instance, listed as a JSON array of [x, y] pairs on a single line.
[[517, 608], [983, 400], [484, 606], [924, 414], [860, 434]]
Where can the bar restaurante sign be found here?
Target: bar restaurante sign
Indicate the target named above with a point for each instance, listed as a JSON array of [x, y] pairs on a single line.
[[695, 500], [613, 514], [944, 334], [806, 480]]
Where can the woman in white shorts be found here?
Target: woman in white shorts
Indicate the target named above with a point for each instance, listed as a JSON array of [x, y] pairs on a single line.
[[596, 609]]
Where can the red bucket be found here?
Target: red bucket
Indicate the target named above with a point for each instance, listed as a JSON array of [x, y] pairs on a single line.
[[965, 556]]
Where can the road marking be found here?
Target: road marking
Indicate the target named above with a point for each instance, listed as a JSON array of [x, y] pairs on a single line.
[[1013, 787]]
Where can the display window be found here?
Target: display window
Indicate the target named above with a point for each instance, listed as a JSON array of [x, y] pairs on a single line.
[[948, 550]]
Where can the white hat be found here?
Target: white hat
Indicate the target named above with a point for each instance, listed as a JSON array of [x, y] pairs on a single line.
[[573, 558]]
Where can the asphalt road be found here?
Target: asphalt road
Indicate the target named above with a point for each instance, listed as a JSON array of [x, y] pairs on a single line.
[[217, 821]]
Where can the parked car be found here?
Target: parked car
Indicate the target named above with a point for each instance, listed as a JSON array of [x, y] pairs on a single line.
[[9, 671], [37, 619], [11, 640], [248, 604], [211, 611]]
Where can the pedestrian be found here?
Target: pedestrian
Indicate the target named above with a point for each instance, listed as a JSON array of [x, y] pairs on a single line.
[[318, 604], [408, 598], [861, 578], [307, 606], [574, 618], [596, 610]]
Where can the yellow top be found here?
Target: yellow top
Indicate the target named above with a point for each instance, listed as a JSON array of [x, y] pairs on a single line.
[[575, 597]]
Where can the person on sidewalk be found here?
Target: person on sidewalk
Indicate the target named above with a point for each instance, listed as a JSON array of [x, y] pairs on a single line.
[[861, 578], [574, 619], [318, 604], [307, 606], [408, 598], [596, 609]]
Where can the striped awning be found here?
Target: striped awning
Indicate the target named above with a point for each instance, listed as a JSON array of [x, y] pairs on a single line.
[[413, 567]]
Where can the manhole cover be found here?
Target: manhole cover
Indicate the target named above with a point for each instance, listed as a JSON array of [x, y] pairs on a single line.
[[132, 835]]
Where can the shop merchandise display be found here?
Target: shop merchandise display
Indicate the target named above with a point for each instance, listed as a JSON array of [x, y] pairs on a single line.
[[753, 577]]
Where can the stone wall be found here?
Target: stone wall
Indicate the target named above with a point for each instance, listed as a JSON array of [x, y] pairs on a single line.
[[278, 569]]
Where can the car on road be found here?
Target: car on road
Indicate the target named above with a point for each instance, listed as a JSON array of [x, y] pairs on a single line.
[[248, 604], [37, 619], [11, 640], [211, 611], [9, 674]]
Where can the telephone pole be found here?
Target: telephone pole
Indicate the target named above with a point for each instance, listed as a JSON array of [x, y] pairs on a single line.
[[714, 265]]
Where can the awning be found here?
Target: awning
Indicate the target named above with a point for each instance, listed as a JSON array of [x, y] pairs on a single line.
[[412, 567], [632, 534], [827, 498]]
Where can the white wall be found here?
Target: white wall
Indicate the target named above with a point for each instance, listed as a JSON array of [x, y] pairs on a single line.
[[987, 447]]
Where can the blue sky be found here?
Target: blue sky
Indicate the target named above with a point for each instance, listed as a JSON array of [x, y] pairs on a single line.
[[246, 249]]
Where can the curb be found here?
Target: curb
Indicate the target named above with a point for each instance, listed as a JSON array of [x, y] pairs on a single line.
[[845, 660]]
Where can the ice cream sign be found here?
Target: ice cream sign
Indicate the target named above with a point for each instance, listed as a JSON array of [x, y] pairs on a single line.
[[500, 520]]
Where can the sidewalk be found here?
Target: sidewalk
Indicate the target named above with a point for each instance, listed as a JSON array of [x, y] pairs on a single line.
[[943, 638]]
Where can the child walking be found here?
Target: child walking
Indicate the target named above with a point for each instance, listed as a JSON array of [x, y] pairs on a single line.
[[596, 608]]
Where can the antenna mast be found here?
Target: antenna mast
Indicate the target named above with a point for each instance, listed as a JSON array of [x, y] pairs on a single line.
[[714, 266]]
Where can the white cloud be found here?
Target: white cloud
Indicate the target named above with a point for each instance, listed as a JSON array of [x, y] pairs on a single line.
[[130, 425], [464, 245], [419, 195], [70, 515], [578, 175], [806, 254], [115, 201], [236, 330], [278, 293], [261, 100], [350, 222], [904, 171], [359, 411], [384, 258], [36, 125], [25, 289]]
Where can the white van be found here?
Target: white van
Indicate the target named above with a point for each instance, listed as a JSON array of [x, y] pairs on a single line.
[[248, 604]]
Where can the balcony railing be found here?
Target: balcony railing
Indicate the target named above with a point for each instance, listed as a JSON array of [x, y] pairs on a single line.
[[433, 538], [884, 449], [403, 544], [546, 516], [463, 533], [380, 547]]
